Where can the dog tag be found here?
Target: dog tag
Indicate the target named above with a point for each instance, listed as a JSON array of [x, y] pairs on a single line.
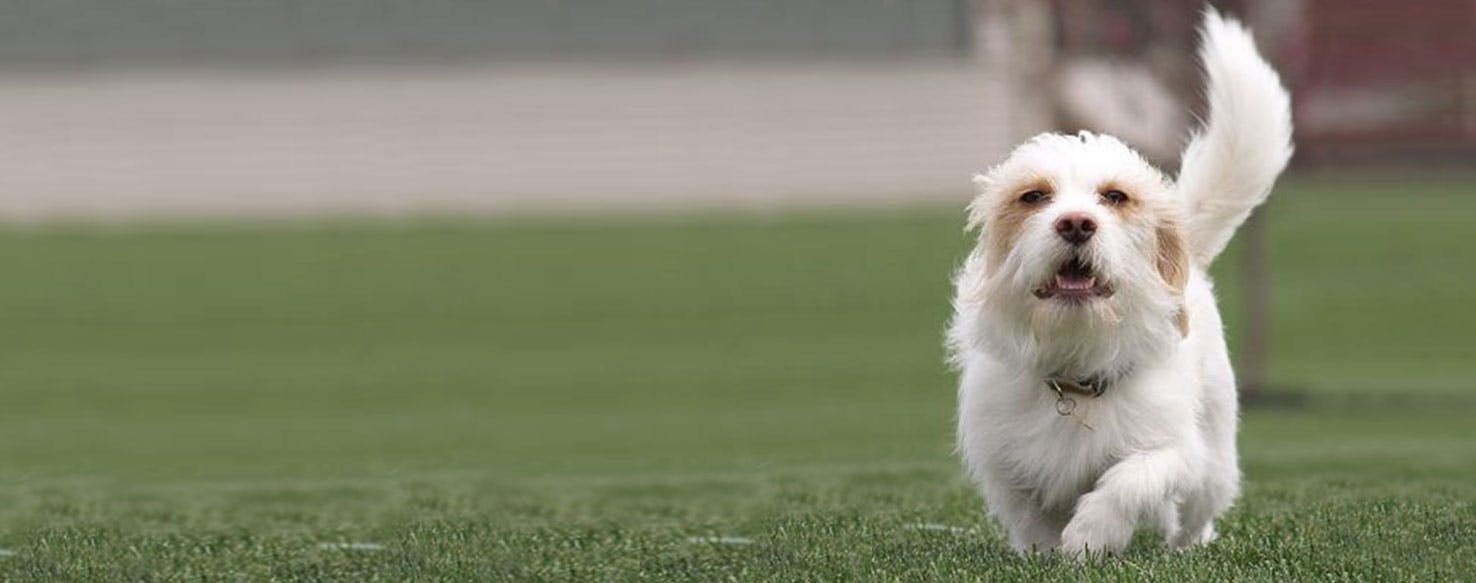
[[1065, 405]]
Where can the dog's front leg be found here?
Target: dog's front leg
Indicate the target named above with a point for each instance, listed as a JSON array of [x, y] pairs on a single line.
[[1106, 517], [1029, 527]]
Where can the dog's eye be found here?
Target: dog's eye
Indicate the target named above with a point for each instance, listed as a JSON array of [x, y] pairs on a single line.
[[1033, 197], [1115, 197]]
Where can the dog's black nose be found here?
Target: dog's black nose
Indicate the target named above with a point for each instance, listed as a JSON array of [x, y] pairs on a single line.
[[1076, 228]]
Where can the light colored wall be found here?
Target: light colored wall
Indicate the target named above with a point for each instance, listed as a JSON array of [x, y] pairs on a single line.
[[268, 142]]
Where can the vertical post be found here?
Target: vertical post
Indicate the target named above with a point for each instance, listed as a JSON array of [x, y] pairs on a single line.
[[1013, 39], [1256, 337], [1275, 23]]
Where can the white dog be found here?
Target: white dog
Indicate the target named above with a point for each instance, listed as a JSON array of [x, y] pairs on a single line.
[[1095, 389]]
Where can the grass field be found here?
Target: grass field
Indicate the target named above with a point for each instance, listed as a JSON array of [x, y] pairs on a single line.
[[683, 398]]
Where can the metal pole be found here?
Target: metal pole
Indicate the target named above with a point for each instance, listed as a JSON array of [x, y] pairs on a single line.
[[1256, 338]]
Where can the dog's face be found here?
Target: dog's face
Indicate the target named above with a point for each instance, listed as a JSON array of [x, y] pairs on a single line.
[[1078, 237]]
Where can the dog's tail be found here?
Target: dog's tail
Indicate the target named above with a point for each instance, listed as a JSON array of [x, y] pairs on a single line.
[[1232, 162]]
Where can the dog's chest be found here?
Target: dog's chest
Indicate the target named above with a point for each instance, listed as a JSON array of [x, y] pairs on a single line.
[[1057, 457]]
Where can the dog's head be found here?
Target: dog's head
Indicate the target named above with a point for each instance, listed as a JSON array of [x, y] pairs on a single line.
[[1080, 250]]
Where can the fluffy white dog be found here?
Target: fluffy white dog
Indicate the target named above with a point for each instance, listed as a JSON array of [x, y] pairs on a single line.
[[1095, 390]]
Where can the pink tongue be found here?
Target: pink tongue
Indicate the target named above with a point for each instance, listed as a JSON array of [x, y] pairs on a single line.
[[1075, 282]]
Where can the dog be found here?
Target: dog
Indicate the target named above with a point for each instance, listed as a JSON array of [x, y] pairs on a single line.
[[1095, 389]]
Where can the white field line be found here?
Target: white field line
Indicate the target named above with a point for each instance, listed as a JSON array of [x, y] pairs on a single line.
[[348, 546], [6, 553], [721, 540], [933, 526]]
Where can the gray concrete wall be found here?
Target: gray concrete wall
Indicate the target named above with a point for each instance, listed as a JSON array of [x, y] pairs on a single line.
[[90, 33]]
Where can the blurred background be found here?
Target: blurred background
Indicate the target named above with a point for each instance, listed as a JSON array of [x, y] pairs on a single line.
[[364, 237], [138, 108]]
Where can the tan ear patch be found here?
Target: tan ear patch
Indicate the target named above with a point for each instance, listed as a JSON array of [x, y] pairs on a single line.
[[1173, 266], [1173, 258], [1009, 219]]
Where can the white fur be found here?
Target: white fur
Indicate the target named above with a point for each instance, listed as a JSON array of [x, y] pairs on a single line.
[[1230, 165], [1160, 444]]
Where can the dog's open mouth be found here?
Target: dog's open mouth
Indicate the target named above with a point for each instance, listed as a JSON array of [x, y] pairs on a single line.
[[1075, 280]]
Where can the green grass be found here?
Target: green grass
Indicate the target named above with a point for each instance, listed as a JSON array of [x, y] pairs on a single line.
[[571, 400]]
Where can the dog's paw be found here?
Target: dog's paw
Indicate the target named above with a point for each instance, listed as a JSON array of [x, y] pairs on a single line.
[[1093, 534], [1078, 552], [1184, 539], [1082, 551]]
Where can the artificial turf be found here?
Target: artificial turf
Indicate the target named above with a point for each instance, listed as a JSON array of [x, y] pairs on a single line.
[[737, 396]]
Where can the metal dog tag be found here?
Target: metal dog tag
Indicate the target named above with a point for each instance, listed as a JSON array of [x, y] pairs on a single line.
[[1065, 405]]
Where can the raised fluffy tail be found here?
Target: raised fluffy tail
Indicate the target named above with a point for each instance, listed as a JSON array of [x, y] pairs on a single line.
[[1231, 163]]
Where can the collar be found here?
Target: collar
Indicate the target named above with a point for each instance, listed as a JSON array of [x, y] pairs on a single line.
[[1088, 387], [1091, 387]]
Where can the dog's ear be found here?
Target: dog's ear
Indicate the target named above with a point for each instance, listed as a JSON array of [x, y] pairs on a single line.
[[1173, 266]]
